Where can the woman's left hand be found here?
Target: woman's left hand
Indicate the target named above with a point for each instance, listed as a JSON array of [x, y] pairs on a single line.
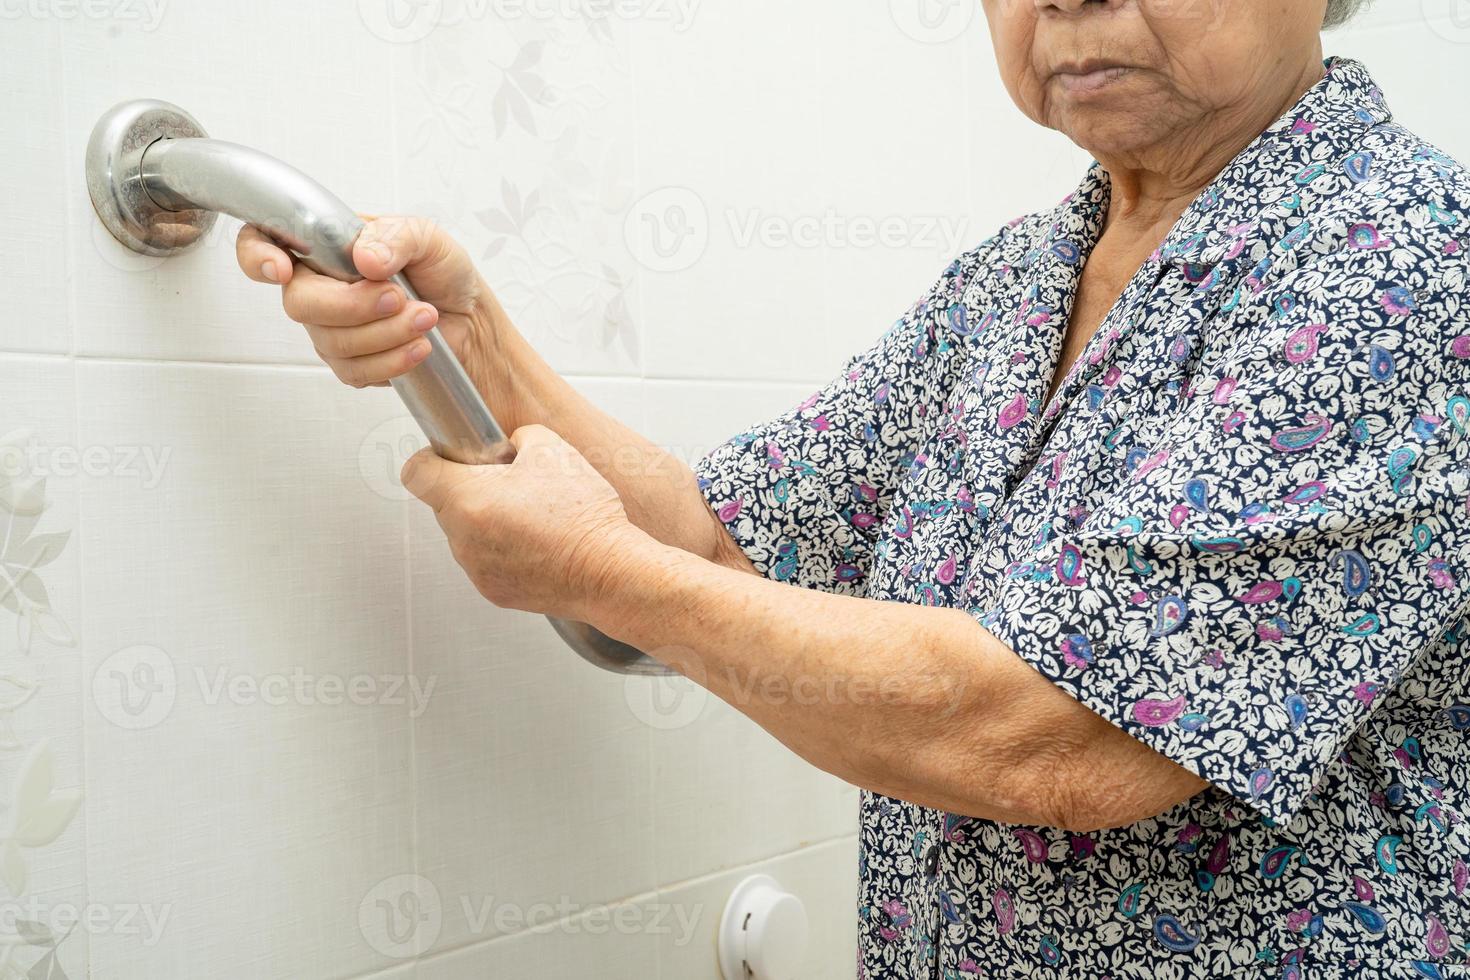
[[538, 533]]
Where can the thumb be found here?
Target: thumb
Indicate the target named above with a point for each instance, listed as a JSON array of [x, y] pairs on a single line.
[[432, 478], [529, 437]]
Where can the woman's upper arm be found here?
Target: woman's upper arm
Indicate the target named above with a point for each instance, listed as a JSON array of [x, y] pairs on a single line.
[[804, 494]]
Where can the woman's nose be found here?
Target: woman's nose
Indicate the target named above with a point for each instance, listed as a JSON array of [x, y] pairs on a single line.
[[1070, 6]]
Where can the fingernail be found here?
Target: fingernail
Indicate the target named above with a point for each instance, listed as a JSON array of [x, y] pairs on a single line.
[[423, 319], [388, 302], [268, 269], [418, 352]]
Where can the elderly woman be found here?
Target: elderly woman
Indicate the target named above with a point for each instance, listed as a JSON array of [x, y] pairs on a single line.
[[1130, 564]]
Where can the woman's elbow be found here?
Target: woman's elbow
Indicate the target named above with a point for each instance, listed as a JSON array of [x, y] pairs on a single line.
[[1076, 771], [1106, 786]]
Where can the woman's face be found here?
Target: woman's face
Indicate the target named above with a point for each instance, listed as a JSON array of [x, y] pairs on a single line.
[[1123, 77]]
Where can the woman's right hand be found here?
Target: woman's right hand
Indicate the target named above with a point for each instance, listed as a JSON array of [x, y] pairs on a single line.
[[368, 331]]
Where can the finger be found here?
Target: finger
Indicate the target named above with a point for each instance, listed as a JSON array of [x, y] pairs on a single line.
[[328, 302], [390, 245], [374, 369], [362, 340], [262, 259], [432, 478]]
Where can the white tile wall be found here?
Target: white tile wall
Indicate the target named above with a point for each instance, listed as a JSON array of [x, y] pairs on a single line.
[[256, 567], [643, 193], [515, 132], [744, 144], [33, 208]]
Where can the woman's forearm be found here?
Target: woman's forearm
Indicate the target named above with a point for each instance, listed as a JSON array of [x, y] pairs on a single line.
[[913, 702], [658, 489]]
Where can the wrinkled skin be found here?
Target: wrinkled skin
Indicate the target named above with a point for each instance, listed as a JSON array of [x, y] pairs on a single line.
[[1191, 75], [538, 533]]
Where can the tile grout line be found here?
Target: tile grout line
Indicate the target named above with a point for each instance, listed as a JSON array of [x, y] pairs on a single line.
[[70, 271], [595, 907], [651, 379], [641, 326], [408, 605], [642, 280]]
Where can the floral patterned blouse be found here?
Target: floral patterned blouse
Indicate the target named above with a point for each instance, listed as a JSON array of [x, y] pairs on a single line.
[[1238, 532]]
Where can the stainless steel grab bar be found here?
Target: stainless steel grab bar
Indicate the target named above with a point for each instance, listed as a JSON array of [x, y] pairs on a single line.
[[158, 183]]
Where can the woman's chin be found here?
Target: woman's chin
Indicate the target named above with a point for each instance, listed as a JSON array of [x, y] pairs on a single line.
[[1114, 131]]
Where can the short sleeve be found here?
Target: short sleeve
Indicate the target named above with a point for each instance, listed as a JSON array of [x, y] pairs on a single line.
[[804, 494], [1273, 553]]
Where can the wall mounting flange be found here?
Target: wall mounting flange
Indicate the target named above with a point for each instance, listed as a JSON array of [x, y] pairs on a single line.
[[115, 179]]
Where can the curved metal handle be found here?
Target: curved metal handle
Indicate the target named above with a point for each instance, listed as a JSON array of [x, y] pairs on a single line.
[[302, 215], [158, 183]]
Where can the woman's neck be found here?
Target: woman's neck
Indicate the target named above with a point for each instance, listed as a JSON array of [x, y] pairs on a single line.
[[1152, 186]]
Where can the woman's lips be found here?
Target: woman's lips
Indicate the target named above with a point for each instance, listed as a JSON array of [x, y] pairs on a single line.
[[1088, 79]]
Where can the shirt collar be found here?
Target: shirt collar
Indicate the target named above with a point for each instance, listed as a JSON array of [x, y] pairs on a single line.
[[1323, 129]]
